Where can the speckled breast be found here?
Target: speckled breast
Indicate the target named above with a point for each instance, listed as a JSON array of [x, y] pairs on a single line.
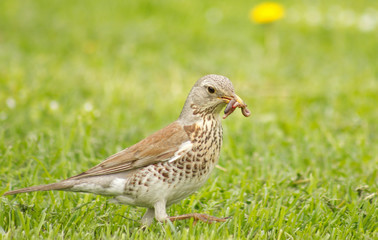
[[175, 180]]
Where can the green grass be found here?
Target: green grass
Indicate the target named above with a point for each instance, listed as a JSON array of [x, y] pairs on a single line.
[[80, 80]]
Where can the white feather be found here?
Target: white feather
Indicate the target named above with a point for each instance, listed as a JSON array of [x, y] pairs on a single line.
[[184, 148], [116, 187]]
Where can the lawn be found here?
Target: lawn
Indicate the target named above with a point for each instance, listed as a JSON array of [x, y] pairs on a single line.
[[81, 80]]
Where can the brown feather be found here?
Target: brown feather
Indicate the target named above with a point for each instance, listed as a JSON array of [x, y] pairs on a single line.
[[158, 147], [53, 186]]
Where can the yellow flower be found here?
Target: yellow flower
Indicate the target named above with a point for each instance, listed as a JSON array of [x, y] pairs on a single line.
[[267, 12]]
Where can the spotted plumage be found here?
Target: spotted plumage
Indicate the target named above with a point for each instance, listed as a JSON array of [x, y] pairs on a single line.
[[170, 164]]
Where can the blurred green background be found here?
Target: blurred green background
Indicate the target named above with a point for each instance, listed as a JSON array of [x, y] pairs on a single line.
[[80, 80]]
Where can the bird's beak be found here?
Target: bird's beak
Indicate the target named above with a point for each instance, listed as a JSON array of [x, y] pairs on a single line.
[[227, 99]]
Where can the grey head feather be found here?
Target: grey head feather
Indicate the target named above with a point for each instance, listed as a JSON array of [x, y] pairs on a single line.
[[199, 97]]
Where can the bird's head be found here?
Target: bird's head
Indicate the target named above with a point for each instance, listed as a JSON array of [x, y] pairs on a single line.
[[208, 96]]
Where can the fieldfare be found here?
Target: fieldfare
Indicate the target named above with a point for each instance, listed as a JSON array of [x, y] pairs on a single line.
[[168, 165]]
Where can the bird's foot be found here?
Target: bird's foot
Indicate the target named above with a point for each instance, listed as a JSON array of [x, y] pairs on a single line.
[[198, 216]]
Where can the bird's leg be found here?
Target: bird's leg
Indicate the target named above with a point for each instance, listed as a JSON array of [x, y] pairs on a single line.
[[148, 217], [160, 211], [198, 216]]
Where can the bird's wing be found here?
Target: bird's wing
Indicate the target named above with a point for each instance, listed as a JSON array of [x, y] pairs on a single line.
[[167, 144]]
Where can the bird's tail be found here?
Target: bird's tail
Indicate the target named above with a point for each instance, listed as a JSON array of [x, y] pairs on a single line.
[[53, 186]]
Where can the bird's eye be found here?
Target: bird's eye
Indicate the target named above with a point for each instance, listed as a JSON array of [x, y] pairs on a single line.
[[210, 89]]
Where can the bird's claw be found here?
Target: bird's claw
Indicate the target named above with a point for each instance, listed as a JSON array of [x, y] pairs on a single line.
[[198, 217]]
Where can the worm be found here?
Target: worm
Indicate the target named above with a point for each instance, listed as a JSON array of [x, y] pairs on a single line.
[[232, 105], [229, 106], [245, 111]]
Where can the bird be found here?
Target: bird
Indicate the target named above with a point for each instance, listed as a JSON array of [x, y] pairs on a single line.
[[168, 165]]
